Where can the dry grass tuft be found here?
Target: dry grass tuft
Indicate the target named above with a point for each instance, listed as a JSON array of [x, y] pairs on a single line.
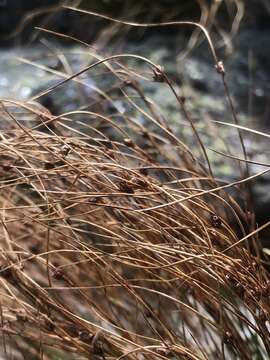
[[109, 250], [120, 244]]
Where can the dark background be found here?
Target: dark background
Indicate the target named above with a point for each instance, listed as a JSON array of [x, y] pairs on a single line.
[[18, 17]]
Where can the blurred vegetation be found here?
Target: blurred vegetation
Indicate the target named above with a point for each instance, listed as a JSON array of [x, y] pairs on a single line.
[[17, 18]]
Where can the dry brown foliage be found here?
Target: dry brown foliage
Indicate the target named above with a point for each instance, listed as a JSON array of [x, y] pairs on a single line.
[[120, 244]]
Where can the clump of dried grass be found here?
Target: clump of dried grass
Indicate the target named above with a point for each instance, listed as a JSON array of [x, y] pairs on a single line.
[[120, 244], [107, 251]]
